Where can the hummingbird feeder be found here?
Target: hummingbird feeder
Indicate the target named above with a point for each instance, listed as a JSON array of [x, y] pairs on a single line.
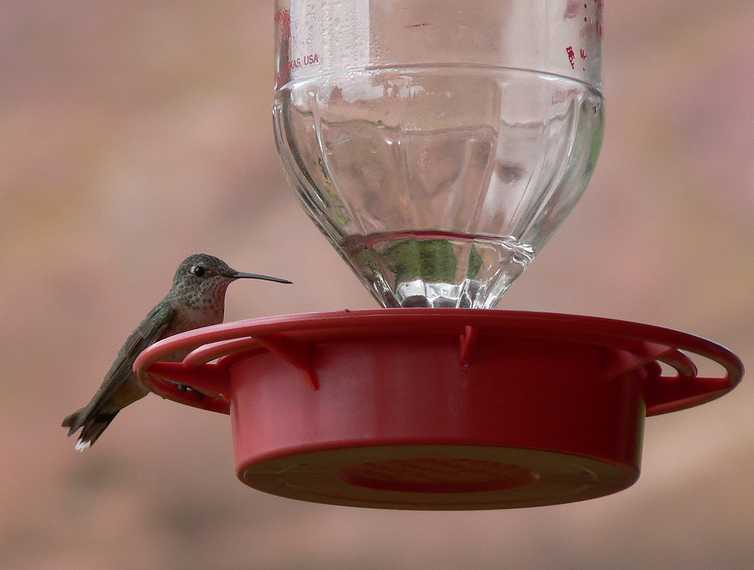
[[438, 146]]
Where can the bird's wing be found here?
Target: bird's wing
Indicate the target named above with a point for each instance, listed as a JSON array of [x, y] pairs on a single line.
[[148, 332]]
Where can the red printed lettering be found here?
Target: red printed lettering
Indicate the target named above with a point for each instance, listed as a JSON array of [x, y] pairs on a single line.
[[571, 56]]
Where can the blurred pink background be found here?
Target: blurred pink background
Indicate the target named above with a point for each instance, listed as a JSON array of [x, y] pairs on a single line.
[[133, 133]]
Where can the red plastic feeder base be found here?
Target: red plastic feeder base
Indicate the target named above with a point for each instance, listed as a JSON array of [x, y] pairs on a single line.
[[436, 408]]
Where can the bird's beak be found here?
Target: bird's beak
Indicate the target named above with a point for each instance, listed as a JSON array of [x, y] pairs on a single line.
[[239, 275]]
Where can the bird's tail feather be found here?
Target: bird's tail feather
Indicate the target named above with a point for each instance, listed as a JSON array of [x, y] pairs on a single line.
[[90, 422]]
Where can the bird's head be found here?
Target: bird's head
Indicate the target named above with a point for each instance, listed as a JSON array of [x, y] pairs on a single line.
[[202, 279]]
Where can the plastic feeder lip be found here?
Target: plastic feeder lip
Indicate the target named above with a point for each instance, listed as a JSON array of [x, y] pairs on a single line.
[[437, 408]]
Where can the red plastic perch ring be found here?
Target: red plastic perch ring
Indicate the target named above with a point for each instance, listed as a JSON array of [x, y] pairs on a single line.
[[436, 408]]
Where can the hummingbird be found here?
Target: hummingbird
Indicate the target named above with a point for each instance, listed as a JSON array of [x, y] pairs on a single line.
[[196, 299]]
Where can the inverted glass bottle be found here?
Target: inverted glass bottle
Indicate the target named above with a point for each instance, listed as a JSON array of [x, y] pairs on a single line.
[[438, 145]]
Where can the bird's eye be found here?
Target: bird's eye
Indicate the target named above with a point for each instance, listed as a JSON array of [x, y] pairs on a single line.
[[198, 270]]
